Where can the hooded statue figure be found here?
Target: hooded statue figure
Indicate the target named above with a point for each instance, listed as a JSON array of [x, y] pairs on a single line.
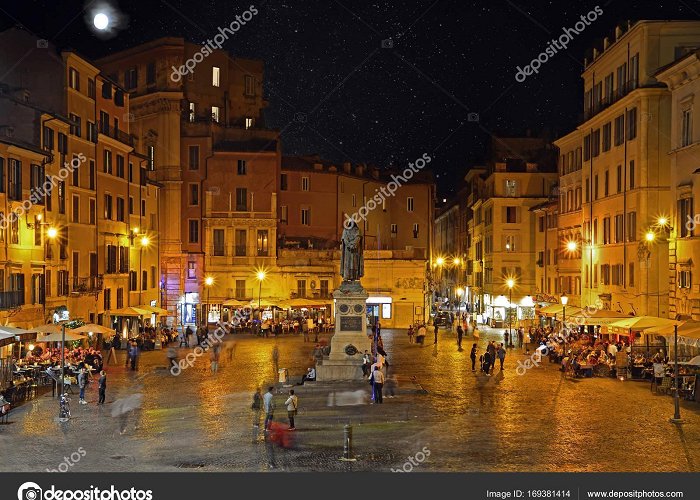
[[352, 266]]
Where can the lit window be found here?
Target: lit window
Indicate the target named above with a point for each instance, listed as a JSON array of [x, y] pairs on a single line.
[[305, 183], [215, 113], [248, 123], [215, 74], [409, 204], [192, 111]]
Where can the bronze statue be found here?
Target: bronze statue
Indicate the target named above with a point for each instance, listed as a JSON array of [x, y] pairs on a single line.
[[352, 266]]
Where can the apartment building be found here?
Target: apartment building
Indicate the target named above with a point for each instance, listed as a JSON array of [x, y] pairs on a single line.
[[91, 190], [549, 254], [625, 167]]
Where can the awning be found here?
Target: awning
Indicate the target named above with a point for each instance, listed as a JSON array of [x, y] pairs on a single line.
[[153, 309], [48, 328], [130, 311], [236, 303], [638, 323], [598, 317], [8, 334], [557, 310], [57, 337], [296, 303], [91, 327], [688, 333]]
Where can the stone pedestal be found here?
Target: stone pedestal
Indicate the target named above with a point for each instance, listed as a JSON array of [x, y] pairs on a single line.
[[350, 339]]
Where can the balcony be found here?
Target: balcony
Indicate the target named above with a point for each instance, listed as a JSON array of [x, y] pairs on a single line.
[[89, 284], [11, 300], [608, 101], [115, 133]]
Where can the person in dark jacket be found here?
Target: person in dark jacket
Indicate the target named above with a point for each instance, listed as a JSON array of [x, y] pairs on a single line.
[[460, 333], [472, 355], [102, 387]]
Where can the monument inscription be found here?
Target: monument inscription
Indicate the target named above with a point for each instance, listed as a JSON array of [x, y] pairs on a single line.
[[351, 323]]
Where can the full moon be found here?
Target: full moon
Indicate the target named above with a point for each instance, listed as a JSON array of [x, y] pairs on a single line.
[[101, 21]]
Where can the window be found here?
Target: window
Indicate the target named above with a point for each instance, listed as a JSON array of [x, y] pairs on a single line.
[[416, 230], [631, 174], [76, 209], [219, 245], [107, 298], [144, 280], [409, 204], [62, 143], [587, 148], [301, 288], [91, 131], [305, 183], [48, 138], [634, 71], [240, 289], [618, 274], [687, 127], [354, 200], [241, 242], [631, 274], [92, 174], [131, 205], [619, 178], [621, 79], [588, 190], [111, 263], [305, 216], [36, 179], [619, 228], [511, 188], [241, 199], [191, 270], [510, 243], [74, 79], [511, 215], [249, 86], [284, 214], [61, 197], [108, 206], [107, 161], [595, 231], [606, 184], [394, 229], [595, 139], [194, 194], [605, 274], [37, 231], [262, 243], [14, 179], [632, 226], [133, 281], [62, 278], [323, 288], [685, 214], [595, 187], [93, 211], [151, 73], [91, 88], [540, 224], [47, 283], [631, 124], [248, 123], [194, 231], [606, 230], [215, 76], [193, 157], [120, 209], [192, 114], [684, 279], [608, 87], [153, 276], [123, 260], [619, 130], [131, 78], [75, 125], [151, 155], [283, 182], [241, 167], [143, 208], [607, 136], [104, 123], [215, 113]]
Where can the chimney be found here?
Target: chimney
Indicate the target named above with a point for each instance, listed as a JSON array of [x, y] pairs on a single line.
[[595, 53], [618, 32], [347, 167], [375, 172], [606, 43], [360, 170], [318, 166]]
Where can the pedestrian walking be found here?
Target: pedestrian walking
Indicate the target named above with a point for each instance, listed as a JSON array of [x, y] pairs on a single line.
[[436, 332], [305, 329], [292, 404], [133, 354], [268, 406], [102, 387], [377, 381], [82, 384], [214, 356], [460, 333], [366, 364], [257, 410], [410, 334], [506, 336], [472, 355], [476, 333], [491, 349], [486, 363], [520, 338], [275, 358], [501, 354]]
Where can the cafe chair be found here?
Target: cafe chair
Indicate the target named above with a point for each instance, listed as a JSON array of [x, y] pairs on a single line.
[[665, 386]]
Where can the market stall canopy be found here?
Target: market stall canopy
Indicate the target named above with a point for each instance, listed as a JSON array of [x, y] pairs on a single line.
[[694, 362], [301, 303], [236, 303], [48, 328], [598, 317], [263, 303], [11, 330], [558, 309], [688, 333], [57, 337], [91, 327], [643, 323], [130, 311], [153, 309], [6, 338]]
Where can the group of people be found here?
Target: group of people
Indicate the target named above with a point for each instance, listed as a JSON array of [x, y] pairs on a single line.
[[265, 403], [487, 361]]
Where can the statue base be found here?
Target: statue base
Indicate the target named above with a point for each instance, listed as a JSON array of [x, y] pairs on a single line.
[[350, 341]]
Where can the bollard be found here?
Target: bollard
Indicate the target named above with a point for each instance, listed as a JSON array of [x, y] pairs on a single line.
[[347, 444]]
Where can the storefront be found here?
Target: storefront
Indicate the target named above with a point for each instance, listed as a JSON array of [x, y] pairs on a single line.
[[379, 308]]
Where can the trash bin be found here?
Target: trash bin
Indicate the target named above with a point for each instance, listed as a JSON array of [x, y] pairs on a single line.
[[283, 375]]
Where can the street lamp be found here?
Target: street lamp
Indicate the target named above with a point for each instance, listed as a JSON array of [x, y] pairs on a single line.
[[564, 301], [260, 275], [52, 232], [144, 242], [571, 246], [208, 282], [511, 283], [460, 292]]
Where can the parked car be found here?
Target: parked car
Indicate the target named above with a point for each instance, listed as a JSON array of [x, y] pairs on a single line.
[[442, 319]]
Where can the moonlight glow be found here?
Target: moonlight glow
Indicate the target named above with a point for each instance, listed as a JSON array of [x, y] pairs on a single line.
[[101, 21]]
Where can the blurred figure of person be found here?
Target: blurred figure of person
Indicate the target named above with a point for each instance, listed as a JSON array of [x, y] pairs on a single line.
[[501, 354], [256, 407], [366, 364], [133, 355], [392, 385], [82, 384], [102, 387], [435, 330], [472, 355], [410, 334], [214, 355], [292, 405], [269, 407], [420, 335], [460, 333], [377, 380]]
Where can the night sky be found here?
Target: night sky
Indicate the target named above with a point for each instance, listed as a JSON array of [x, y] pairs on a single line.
[[336, 91]]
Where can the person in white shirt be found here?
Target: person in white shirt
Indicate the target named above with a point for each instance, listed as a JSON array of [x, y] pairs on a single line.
[[377, 380], [269, 407], [292, 404], [310, 375]]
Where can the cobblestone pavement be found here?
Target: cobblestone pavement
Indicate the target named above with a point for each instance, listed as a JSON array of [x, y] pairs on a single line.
[[198, 421]]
